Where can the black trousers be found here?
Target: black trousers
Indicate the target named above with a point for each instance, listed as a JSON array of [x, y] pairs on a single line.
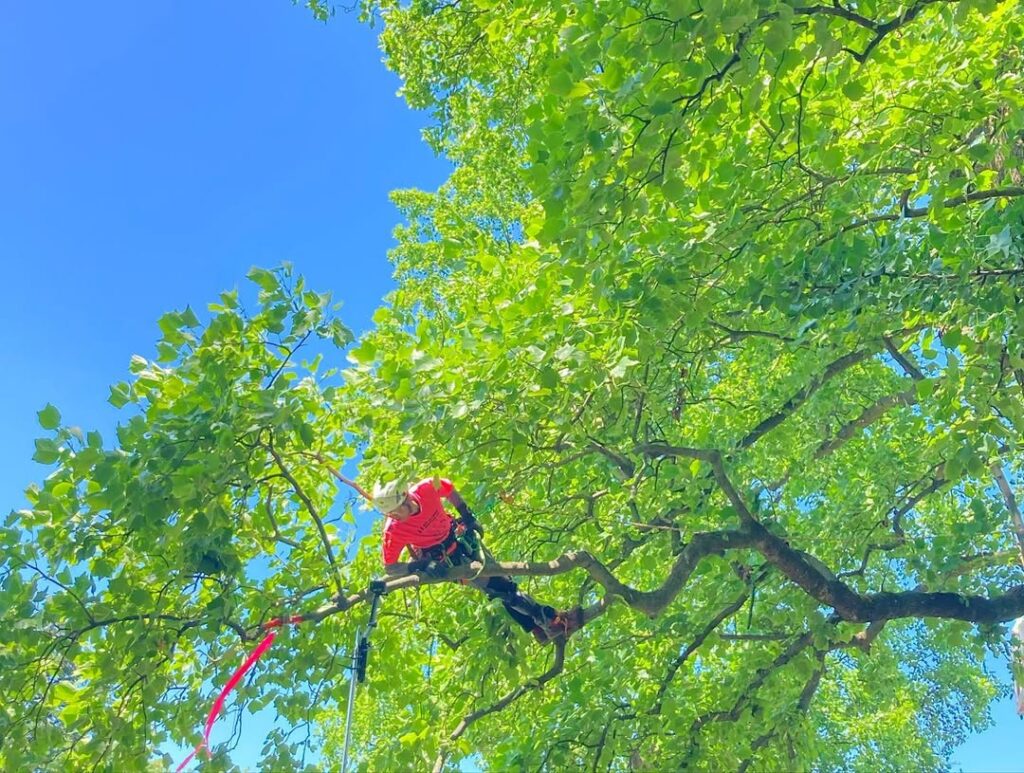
[[521, 607]]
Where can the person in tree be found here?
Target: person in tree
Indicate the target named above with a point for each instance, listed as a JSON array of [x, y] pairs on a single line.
[[416, 519]]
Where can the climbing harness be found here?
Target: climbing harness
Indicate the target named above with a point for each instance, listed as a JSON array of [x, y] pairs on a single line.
[[460, 535], [361, 654]]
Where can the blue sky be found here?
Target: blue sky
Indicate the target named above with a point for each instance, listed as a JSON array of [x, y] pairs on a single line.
[[150, 153]]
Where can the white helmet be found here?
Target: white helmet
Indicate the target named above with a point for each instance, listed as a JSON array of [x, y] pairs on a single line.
[[389, 496]]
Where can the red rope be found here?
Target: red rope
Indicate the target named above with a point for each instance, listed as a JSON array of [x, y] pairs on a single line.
[[236, 677], [263, 646]]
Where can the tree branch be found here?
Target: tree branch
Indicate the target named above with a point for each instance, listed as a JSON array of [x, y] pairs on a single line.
[[503, 702], [311, 509], [1011, 504], [867, 417], [915, 212], [877, 607], [904, 361], [836, 367], [693, 646]]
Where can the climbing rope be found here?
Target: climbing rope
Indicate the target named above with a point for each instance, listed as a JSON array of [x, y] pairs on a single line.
[[272, 626]]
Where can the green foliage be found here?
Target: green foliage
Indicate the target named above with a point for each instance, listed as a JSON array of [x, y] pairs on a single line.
[[788, 234], [121, 585], [710, 225]]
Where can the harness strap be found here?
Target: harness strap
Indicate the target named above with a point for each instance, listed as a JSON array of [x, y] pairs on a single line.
[[444, 549]]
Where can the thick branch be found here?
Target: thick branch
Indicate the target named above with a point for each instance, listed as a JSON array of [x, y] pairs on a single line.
[[625, 465], [811, 575], [651, 602], [877, 607]]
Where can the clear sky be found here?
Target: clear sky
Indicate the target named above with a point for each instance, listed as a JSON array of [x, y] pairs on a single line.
[[151, 152]]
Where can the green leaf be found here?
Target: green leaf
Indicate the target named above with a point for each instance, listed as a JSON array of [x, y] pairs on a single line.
[[561, 83], [364, 354], [189, 318], [341, 336], [64, 693], [49, 417], [266, 280], [622, 367], [47, 451], [854, 90], [549, 378], [778, 35], [119, 395], [953, 469], [1000, 242], [712, 9], [535, 354]]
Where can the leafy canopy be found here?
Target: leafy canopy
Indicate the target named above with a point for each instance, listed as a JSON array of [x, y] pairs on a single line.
[[716, 325]]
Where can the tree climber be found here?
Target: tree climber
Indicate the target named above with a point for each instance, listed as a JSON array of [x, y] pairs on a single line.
[[416, 519]]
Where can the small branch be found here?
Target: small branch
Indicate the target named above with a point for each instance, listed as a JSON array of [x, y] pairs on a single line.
[[93, 624], [915, 212], [351, 483], [1011, 504], [937, 483], [739, 335], [753, 636], [273, 522], [803, 704], [657, 450], [795, 647], [290, 351], [503, 702], [56, 582], [867, 417], [834, 369], [837, 10], [311, 509], [693, 646], [904, 361]]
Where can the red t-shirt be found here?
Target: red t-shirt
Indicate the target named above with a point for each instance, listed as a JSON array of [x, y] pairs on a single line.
[[429, 527]]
